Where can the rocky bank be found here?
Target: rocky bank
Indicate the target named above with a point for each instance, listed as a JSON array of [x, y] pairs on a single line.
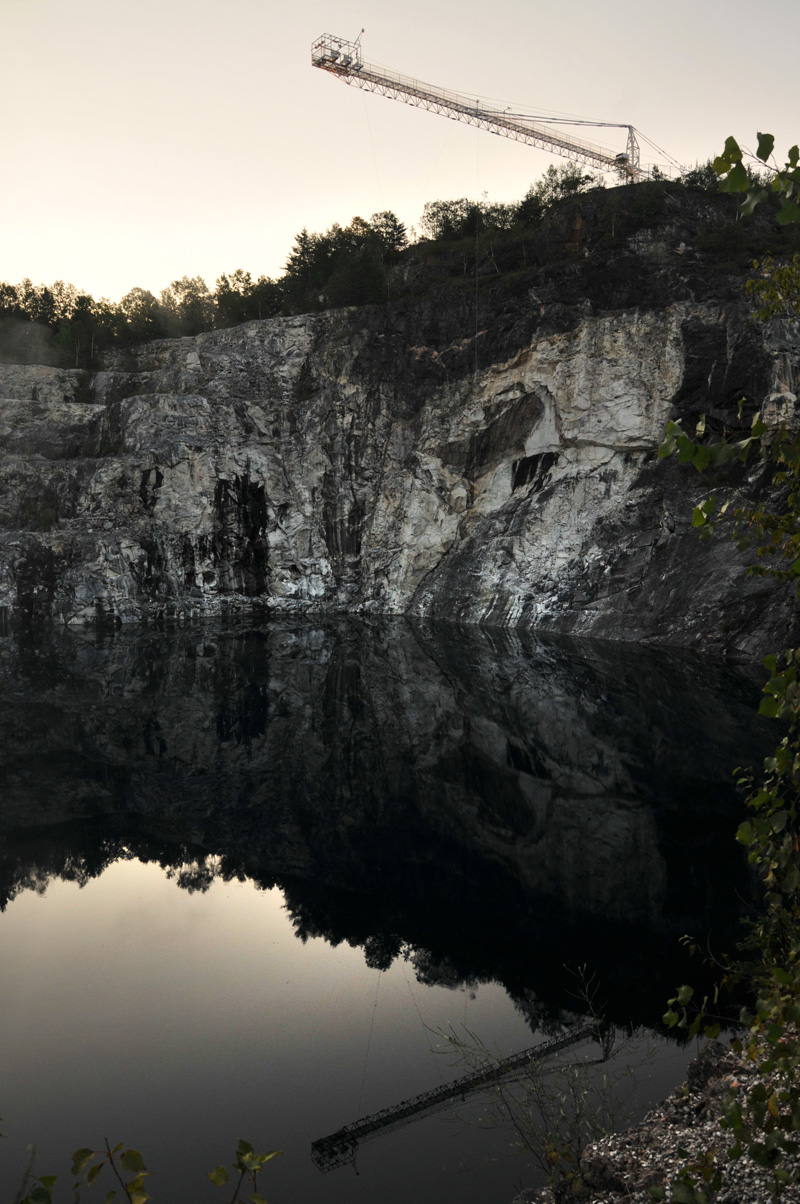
[[623, 1168], [489, 462]]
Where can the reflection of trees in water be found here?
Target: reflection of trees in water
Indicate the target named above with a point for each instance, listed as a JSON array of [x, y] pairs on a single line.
[[486, 805], [77, 854], [454, 949], [35, 864], [197, 876]]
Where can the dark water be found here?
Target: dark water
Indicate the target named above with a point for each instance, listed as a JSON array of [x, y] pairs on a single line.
[[250, 876]]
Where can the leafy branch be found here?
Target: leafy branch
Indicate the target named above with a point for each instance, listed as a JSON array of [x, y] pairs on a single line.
[[781, 181], [248, 1162], [88, 1164], [762, 1120]]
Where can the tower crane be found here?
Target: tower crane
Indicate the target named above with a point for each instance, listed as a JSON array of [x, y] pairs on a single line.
[[344, 60]]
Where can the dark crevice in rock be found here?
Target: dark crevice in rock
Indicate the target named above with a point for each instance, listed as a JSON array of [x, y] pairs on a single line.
[[532, 469]]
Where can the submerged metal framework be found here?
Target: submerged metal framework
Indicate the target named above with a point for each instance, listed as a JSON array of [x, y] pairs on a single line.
[[341, 1147], [344, 60]]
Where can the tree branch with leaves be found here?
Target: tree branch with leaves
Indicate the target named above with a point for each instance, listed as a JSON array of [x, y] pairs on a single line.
[[763, 1122]]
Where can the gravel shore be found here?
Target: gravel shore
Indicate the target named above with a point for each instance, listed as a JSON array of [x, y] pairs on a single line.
[[621, 1168]]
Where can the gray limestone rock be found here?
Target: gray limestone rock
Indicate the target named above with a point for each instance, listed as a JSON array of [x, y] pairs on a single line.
[[385, 460]]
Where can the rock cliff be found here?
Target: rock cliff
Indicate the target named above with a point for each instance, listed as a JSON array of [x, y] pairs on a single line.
[[487, 461]]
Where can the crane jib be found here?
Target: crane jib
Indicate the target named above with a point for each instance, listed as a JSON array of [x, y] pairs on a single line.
[[344, 60]]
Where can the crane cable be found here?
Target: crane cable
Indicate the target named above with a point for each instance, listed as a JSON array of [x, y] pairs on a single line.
[[450, 129], [477, 228], [425, 1028], [374, 156], [660, 150], [369, 1043]]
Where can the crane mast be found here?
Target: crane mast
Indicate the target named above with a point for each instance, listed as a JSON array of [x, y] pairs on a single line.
[[344, 60]]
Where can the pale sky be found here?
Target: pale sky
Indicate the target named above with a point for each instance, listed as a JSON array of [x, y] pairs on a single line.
[[151, 140]]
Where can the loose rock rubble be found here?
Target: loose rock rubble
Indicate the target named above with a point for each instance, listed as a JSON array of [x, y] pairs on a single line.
[[621, 1168]]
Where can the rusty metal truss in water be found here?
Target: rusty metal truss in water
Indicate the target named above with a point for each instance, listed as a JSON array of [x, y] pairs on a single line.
[[340, 1148]]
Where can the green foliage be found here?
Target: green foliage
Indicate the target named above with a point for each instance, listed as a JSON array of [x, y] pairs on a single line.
[[141, 317], [391, 233], [88, 1165], [85, 326], [344, 266], [128, 1168], [697, 1182], [239, 298], [59, 325], [763, 1121], [464, 218], [187, 307], [772, 527], [734, 167], [701, 178], [248, 1163], [448, 221], [777, 287], [557, 184], [359, 279]]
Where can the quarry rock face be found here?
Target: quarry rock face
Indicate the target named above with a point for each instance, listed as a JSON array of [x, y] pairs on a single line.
[[406, 458]]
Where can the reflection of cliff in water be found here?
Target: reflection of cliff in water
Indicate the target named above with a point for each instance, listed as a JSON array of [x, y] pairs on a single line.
[[499, 803]]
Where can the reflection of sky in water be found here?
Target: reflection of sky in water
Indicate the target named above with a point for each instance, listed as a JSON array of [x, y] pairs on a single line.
[[180, 1022], [131, 1009]]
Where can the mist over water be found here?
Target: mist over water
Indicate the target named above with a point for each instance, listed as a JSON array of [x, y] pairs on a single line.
[[247, 873]]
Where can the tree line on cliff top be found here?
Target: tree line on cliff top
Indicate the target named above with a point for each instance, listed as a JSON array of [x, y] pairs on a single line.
[[350, 265]]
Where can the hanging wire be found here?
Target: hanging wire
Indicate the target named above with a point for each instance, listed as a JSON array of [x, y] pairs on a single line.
[[369, 1043], [525, 111], [374, 156], [425, 1028], [656, 147], [451, 127], [477, 228]]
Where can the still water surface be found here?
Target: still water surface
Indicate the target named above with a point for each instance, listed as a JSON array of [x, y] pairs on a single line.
[[251, 875]]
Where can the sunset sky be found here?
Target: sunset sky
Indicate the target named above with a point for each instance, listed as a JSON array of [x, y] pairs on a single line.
[[144, 142]]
